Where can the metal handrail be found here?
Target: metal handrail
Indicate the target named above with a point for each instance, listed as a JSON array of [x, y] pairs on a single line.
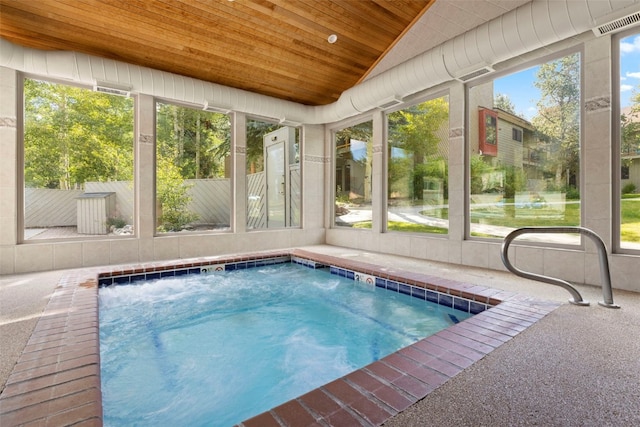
[[605, 275]]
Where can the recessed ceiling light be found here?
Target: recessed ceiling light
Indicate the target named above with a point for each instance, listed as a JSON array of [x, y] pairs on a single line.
[[332, 38]]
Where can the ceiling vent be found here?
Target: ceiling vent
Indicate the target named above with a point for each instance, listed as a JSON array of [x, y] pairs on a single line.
[[209, 106], [284, 122], [112, 88], [475, 74], [390, 102], [617, 25]]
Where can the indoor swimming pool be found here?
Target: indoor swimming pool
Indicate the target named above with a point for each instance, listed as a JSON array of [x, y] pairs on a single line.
[[219, 347]]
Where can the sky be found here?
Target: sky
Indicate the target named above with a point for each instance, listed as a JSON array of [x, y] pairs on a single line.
[[521, 83], [629, 68]]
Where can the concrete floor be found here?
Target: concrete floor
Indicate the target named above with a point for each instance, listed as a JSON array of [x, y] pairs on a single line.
[[22, 299], [579, 366]]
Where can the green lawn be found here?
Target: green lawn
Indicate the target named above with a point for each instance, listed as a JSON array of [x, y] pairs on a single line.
[[509, 216], [630, 224], [408, 227], [541, 217]]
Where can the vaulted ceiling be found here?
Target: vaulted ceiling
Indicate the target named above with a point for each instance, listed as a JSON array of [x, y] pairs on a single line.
[[279, 48]]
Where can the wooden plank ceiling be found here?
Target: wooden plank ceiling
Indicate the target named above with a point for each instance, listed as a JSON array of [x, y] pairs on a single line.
[[273, 47]]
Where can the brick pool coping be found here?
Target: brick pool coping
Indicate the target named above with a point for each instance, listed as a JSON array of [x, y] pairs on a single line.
[[56, 380]]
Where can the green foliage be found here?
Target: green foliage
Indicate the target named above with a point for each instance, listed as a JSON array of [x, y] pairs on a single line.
[[478, 168], [515, 181], [630, 130], [571, 192], [415, 142], [191, 144], [503, 102], [116, 222], [256, 130], [341, 196], [74, 135], [360, 132], [354, 149], [629, 188], [558, 118], [196, 141], [173, 196]]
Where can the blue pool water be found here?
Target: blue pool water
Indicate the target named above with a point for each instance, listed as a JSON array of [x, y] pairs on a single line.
[[215, 349]]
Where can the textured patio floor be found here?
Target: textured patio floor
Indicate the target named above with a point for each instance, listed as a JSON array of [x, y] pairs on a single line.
[[577, 366]]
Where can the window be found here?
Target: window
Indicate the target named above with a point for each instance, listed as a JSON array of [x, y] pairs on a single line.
[[273, 175], [488, 122], [417, 173], [531, 176], [624, 172], [193, 169], [78, 162], [354, 154], [516, 134], [629, 142]]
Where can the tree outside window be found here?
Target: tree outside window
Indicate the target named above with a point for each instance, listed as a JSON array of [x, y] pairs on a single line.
[[193, 186], [78, 162], [418, 151], [532, 176]]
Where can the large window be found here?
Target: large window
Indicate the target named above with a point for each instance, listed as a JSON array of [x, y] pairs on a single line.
[[273, 175], [78, 162], [524, 150], [193, 169], [629, 160], [354, 154], [417, 173]]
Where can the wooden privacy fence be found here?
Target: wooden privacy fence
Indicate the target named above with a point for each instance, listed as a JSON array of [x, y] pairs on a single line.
[[256, 201], [210, 200], [45, 207], [58, 208], [295, 197]]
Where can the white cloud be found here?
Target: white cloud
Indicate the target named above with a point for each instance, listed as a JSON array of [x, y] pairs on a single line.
[[634, 75], [633, 46], [625, 88]]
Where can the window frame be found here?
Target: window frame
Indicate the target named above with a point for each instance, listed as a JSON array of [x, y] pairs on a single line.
[[616, 136], [299, 128], [20, 171], [516, 134], [579, 49], [182, 104], [410, 102], [332, 129]]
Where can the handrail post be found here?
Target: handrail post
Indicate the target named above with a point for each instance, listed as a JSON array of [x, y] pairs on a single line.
[[577, 298]]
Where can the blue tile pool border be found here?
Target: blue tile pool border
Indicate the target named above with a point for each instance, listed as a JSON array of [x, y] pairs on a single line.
[[134, 274], [451, 301], [459, 303]]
